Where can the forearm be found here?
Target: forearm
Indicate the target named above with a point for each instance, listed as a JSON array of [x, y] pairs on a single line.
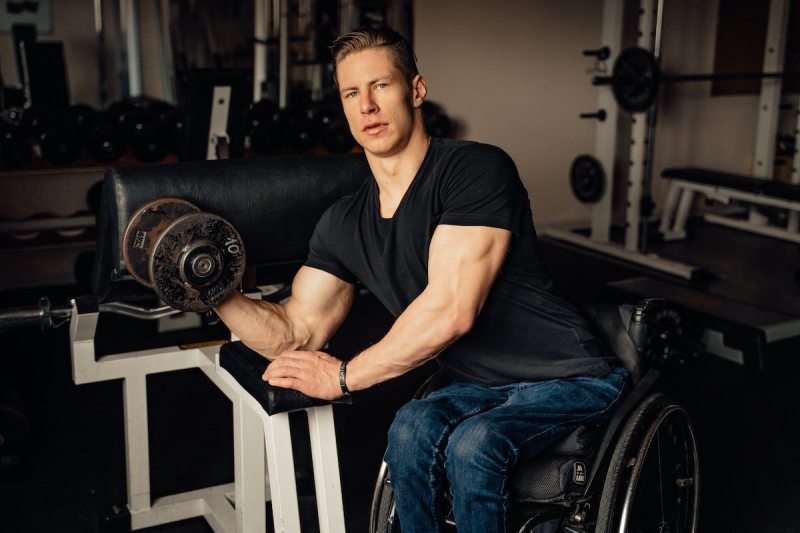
[[265, 327], [420, 333]]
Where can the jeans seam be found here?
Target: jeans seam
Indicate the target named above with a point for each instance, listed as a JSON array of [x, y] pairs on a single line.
[[448, 429]]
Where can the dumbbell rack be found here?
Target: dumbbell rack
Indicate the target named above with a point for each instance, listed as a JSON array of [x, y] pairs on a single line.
[[263, 460]]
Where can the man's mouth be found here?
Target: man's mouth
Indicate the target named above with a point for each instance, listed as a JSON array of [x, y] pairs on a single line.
[[374, 128]]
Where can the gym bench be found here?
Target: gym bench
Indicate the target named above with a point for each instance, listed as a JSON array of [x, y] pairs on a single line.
[[722, 187]]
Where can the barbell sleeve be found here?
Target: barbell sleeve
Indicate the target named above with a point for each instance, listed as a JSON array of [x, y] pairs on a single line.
[[43, 315]]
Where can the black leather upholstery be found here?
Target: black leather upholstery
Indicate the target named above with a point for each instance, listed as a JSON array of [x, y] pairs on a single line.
[[611, 323], [274, 203], [247, 366]]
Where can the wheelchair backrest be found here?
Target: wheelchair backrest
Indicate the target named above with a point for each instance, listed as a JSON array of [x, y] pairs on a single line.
[[623, 328]]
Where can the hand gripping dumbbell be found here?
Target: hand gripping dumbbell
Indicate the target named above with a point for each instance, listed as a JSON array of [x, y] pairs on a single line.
[[191, 259]]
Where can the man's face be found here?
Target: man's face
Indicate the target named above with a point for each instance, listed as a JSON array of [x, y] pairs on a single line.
[[377, 101]]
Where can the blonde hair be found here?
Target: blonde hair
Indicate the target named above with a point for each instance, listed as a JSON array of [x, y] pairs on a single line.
[[364, 39]]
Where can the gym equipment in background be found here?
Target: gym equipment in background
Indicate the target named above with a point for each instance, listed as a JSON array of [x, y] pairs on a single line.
[[216, 110]]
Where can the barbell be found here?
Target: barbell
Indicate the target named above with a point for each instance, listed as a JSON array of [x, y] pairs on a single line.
[[636, 77]]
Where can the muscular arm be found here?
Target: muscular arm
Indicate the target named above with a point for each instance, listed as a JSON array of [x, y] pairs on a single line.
[[463, 263], [317, 307]]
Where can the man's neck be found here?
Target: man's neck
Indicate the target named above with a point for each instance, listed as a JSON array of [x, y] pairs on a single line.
[[395, 173]]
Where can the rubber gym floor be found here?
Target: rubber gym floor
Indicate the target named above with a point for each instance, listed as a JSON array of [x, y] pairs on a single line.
[[73, 475]]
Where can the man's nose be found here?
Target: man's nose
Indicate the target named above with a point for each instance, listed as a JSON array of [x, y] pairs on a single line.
[[368, 104]]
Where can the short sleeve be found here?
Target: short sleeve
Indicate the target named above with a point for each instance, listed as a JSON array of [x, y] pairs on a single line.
[[481, 187], [323, 242]]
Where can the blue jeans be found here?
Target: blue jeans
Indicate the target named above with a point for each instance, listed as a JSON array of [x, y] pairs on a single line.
[[475, 435]]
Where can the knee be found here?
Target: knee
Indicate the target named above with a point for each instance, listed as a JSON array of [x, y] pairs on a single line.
[[475, 448], [413, 432]]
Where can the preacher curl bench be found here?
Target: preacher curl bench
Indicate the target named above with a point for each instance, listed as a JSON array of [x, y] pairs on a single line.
[[274, 204]]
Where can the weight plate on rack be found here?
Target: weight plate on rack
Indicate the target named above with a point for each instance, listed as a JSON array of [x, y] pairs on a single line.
[[143, 230], [587, 179], [635, 79], [196, 262]]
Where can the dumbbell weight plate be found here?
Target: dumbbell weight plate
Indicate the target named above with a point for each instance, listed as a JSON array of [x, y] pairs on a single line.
[[196, 262], [143, 230]]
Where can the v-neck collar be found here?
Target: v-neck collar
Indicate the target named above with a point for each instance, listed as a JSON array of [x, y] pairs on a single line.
[[377, 193]]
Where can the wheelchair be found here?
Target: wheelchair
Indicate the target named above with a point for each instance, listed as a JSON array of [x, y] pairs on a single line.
[[636, 473]]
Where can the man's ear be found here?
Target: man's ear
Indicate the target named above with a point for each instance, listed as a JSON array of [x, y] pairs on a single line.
[[419, 90]]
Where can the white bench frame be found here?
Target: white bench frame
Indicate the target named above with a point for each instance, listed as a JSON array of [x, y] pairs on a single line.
[[680, 199], [233, 507]]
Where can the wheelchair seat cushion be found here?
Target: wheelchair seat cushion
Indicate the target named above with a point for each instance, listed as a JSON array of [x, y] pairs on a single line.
[[561, 472], [246, 366], [549, 478]]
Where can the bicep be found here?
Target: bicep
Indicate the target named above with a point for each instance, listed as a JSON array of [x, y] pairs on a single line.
[[463, 263], [320, 301]]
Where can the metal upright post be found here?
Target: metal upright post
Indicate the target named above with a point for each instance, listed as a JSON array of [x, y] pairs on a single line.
[[605, 144], [102, 68], [260, 48], [283, 69], [648, 19], [130, 25], [770, 98], [793, 224], [164, 16]]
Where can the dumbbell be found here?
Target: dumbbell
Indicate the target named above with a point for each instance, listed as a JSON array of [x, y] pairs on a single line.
[[299, 131], [265, 126], [192, 260], [56, 133], [332, 125], [147, 138], [172, 121], [102, 138]]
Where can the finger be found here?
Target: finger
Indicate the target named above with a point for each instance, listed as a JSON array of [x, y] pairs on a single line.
[[285, 383], [290, 367], [284, 369]]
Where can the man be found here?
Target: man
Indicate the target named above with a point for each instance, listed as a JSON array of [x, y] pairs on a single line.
[[444, 237]]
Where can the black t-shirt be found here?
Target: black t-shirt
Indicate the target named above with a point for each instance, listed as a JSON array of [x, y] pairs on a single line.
[[524, 332]]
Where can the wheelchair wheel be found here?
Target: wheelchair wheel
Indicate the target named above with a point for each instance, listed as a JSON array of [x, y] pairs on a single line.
[[383, 518], [653, 479], [383, 515]]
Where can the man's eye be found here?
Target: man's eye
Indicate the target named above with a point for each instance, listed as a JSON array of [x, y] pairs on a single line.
[[350, 94], [382, 85]]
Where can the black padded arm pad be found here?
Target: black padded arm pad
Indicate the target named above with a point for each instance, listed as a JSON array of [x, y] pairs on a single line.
[[247, 366], [274, 203]]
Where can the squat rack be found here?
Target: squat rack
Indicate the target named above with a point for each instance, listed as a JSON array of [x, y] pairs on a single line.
[[680, 197]]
